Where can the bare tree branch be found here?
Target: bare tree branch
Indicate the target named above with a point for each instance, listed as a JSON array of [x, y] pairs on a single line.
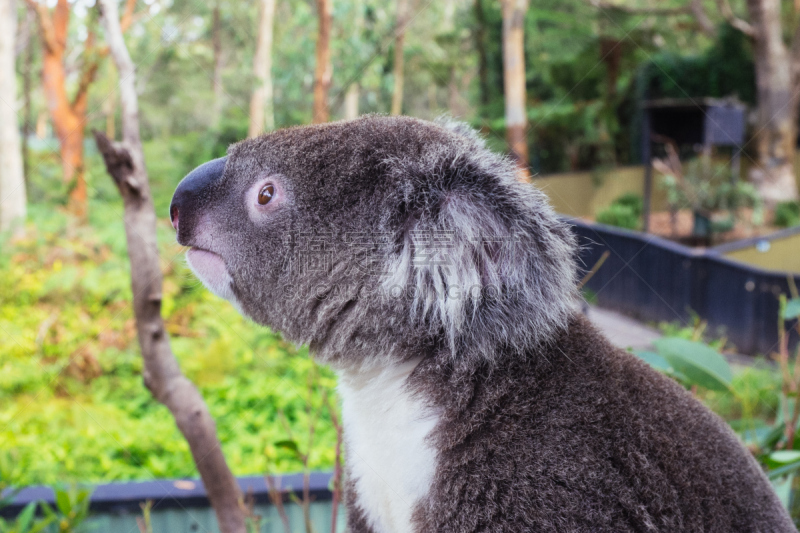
[[127, 16], [61, 22], [740, 24], [162, 375], [91, 62], [46, 24]]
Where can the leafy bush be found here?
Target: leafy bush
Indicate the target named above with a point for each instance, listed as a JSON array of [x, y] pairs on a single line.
[[787, 214], [706, 186], [72, 403], [624, 212], [759, 403], [632, 200]]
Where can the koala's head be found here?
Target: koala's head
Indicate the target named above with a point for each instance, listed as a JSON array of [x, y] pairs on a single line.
[[380, 238]]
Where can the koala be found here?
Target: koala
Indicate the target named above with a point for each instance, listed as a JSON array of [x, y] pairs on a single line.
[[443, 292]]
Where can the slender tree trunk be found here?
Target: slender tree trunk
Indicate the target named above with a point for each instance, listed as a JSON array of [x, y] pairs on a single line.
[[41, 125], [262, 115], [324, 70], [514, 79], [776, 129], [399, 57], [480, 44], [351, 101], [27, 74], [69, 125], [162, 374], [12, 179], [455, 103], [353, 93], [68, 117], [110, 111], [216, 41]]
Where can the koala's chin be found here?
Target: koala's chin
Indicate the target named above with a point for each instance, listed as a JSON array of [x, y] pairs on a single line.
[[210, 269]]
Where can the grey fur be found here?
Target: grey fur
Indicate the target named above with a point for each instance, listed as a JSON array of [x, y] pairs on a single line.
[[543, 425]]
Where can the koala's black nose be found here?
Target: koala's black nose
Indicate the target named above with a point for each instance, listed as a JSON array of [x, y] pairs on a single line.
[[190, 189]]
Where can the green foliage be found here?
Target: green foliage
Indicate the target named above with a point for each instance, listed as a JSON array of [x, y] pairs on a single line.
[[624, 212], [787, 214], [71, 509], [26, 521], [696, 363], [72, 403], [725, 69], [706, 186], [633, 201], [757, 401], [618, 215]]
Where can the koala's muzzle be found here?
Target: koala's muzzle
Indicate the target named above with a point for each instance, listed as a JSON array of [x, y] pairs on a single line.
[[191, 193]]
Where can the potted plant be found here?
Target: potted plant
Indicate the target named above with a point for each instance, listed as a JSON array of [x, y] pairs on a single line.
[[706, 188]]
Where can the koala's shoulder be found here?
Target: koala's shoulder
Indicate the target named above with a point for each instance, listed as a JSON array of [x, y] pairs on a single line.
[[584, 436]]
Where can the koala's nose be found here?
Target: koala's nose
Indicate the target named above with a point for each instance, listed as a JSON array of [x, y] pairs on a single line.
[[190, 189]]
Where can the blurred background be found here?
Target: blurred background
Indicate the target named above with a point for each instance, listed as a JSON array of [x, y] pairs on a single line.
[[666, 130]]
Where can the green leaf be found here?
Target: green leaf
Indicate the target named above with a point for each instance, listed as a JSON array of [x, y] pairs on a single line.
[[782, 471], [25, 517], [792, 309], [288, 444], [783, 488], [700, 364], [785, 456], [62, 500], [48, 511], [653, 359]]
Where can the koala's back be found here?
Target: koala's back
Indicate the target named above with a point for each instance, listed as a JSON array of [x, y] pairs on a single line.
[[585, 437]]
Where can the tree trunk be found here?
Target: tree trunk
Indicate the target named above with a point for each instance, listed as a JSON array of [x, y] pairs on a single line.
[[353, 93], [12, 180], [483, 59], [324, 70], [262, 115], [216, 83], [351, 101], [69, 127], [69, 118], [110, 112], [456, 104], [399, 58], [27, 74], [776, 131], [514, 80], [162, 374]]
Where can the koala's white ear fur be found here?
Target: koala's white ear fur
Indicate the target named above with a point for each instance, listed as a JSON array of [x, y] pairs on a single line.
[[449, 264]]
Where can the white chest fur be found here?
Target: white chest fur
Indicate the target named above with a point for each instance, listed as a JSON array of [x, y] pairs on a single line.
[[385, 428]]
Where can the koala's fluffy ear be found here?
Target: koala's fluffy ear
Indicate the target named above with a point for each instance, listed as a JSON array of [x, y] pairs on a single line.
[[481, 257]]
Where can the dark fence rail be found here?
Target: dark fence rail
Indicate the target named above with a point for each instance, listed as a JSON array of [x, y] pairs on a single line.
[[653, 279], [170, 493]]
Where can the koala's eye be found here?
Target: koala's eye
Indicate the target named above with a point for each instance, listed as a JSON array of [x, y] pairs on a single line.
[[265, 194]]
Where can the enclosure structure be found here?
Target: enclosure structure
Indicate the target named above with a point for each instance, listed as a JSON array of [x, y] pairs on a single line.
[[182, 506], [654, 279], [779, 250], [698, 122]]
